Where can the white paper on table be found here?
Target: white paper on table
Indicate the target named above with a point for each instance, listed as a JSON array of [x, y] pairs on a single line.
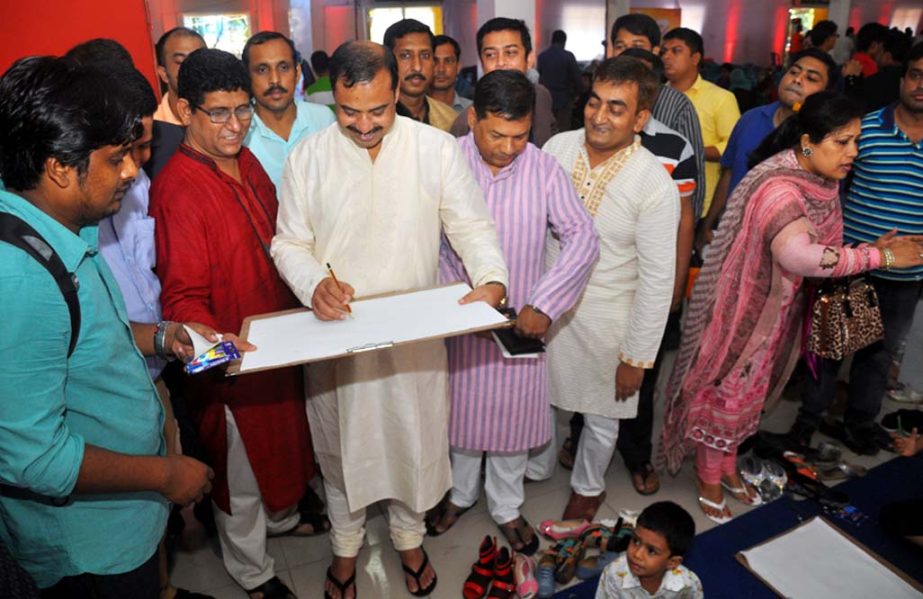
[[815, 561], [376, 323]]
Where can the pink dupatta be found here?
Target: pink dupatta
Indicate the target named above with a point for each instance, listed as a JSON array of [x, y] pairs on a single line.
[[732, 289]]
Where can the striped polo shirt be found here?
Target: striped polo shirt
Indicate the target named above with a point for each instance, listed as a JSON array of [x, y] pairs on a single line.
[[887, 187]]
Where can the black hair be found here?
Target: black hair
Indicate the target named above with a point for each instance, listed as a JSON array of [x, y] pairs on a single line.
[[137, 89], [916, 53], [821, 32], [320, 62], [625, 69], [689, 37], [210, 70], [898, 46], [672, 522], [261, 38], [444, 39], [405, 27], [102, 51], [359, 62], [869, 34], [162, 42], [505, 24], [637, 24], [558, 37], [55, 107], [646, 56], [505, 93], [821, 114], [833, 72], [850, 30]]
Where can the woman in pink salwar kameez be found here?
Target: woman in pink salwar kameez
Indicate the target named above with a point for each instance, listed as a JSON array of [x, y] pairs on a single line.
[[742, 334]]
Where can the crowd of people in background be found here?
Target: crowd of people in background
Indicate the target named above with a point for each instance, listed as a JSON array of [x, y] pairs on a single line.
[[585, 197]]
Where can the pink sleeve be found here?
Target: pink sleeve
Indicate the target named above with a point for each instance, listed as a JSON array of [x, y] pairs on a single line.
[[796, 252]]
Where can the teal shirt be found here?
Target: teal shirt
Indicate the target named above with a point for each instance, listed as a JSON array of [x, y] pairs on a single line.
[[271, 150], [52, 405]]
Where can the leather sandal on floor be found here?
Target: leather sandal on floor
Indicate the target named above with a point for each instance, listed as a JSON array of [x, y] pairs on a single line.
[[517, 533], [273, 589], [645, 480], [720, 507], [482, 572], [342, 586], [418, 574]]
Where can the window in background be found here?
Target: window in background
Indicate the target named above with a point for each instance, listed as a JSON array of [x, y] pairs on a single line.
[[379, 19], [585, 27], [228, 31]]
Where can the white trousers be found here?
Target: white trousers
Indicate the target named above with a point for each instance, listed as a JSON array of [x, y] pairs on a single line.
[[347, 529], [542, 459], [242, 533], [503, 482], [594, 452]]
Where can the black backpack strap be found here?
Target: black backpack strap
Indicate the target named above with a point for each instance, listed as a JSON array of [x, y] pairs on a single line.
[[18, 233]]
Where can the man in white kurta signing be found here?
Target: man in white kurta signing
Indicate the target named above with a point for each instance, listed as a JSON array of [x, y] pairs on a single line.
[[371, 197], [598, 352]]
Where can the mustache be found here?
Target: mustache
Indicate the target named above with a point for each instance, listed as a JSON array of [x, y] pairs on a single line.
[[412, 76], [356, 130], [275, 88]]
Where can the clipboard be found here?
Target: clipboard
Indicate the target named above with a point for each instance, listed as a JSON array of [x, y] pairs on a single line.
[[742, 559], [379, 322]]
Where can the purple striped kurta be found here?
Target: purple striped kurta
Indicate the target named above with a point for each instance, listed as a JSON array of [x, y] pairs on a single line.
[[500, 404]]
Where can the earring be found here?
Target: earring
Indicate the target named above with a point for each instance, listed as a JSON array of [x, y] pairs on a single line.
[[807, 152]]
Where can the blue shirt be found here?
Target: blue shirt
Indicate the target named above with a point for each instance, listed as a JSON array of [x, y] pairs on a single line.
[[887, 187], [53, 405], [272, 151], [126, 241], [750, 130]]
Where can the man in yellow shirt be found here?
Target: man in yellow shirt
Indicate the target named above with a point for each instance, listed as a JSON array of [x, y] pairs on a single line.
[[682, 51]]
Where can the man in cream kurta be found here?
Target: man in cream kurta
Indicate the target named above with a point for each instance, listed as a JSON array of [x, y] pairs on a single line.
[[371, 197], [598, 352]]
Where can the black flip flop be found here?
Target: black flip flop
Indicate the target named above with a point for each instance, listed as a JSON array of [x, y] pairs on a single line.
[[341, 586], [421, 592], [273, 589]]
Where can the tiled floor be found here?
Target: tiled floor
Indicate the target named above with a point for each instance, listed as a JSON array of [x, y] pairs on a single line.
[[301, 562]]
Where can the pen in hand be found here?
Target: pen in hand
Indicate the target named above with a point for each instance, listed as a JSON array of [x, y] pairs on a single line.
[[340, 287]]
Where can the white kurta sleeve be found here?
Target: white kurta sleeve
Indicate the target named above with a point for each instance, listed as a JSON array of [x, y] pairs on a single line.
[[467, 222], [294, 243], [655, 242]]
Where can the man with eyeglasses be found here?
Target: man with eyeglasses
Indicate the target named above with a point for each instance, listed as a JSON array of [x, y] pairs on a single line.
[[280, 122], [413, 44], [215, 210]]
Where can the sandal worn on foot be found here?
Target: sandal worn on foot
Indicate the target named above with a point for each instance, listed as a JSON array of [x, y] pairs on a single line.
[[342, 586], [504, 583], [516, 533], [645, 480], [742, 494], [418, 574], [567, 454], [721, 507], [273, 589], [524, 574], [446, 510], [482, 572], [319, 525], [583, 506]]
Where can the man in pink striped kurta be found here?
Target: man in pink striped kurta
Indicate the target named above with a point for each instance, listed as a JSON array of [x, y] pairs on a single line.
[[500, 406]]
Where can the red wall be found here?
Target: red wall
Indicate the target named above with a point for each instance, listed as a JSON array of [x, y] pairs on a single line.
[[33, 27]]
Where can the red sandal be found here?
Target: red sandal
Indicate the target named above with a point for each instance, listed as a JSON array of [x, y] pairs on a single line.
[[482, 572], [504, 583]]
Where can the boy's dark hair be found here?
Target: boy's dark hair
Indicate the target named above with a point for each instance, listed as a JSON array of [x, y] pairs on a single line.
[[833, 72], [625, 69], [444, 39], [405, 27], [137, 89], [359, 62], [210, 70], [159, 46], [261, 38], [558, 37], [646, 56], [637, 24], [689, 37], [673, 522], [55, 107], [320, 62], [869, 34], [898, 46], [102, 51], [505, 93], [505, 24], [822, 31]]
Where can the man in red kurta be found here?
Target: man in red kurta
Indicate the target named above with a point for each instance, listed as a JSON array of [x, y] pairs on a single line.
[[215, 210]]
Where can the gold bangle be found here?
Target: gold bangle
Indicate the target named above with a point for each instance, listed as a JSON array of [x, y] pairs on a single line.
[[887, 257]]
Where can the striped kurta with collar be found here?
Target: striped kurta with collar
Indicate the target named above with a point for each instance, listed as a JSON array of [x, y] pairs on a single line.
[[502, 404], [886, 191]]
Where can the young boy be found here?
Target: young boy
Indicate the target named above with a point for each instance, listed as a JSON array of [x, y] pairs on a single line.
[[652, 565]]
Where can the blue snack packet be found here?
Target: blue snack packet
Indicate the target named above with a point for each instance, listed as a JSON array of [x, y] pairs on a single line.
[[221, 353]]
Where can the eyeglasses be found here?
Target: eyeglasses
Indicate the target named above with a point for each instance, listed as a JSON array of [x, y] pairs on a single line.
[[220, 116]]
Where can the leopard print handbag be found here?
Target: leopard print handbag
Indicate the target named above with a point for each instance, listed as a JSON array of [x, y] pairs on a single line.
[[844, 318]]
